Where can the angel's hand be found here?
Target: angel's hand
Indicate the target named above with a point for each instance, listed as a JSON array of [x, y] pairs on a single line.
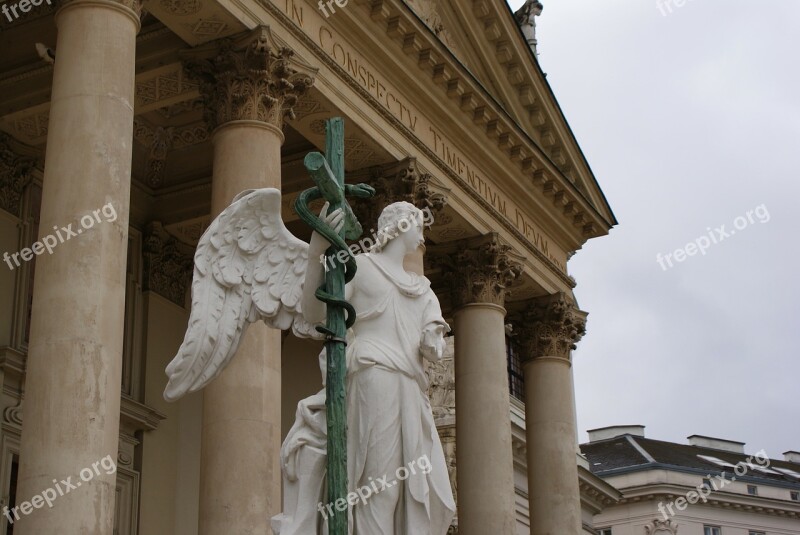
[[334, 220], [432, 343]]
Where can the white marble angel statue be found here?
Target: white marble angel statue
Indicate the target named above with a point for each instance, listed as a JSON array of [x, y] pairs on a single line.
[[248, 266]]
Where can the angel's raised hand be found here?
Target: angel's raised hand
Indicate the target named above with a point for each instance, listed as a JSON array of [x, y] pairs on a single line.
[[334, 220]]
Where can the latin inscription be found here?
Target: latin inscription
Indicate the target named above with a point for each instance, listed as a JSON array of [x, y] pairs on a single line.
[[394, 102]]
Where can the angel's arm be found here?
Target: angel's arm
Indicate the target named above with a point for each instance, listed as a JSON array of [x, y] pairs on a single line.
[[314, 309], [432, 344]]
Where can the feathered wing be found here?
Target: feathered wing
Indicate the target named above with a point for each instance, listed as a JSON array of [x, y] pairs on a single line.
[[247, 266]]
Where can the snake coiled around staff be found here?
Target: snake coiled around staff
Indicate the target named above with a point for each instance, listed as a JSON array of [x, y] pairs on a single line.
[[338, 244]]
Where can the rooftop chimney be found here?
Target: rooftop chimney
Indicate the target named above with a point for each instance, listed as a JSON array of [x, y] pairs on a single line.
[[526, 19], [716, 443], [603, 433], [791, 456]]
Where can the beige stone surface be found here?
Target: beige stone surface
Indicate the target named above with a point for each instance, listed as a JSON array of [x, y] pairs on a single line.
[[72, 398], [171, 456], [483, 440], [550, 424], [240, 483]]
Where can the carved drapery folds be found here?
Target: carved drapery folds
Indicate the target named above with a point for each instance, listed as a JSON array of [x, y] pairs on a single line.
[[393, 182], [550, 326], [253, 77], [480, 270], [15, 174], [168, 264]]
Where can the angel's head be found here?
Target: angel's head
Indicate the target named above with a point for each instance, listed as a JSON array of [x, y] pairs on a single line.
[[402, 221]]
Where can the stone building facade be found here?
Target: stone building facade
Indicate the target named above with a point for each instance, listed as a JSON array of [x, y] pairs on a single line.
[[127, 126]]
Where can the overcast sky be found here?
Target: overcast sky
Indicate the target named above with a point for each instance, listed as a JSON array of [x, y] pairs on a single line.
[[688, 121]]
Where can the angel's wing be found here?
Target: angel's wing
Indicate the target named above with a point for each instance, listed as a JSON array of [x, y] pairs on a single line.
[[248, 266]]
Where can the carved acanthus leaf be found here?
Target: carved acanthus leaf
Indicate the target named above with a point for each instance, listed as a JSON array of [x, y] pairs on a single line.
[[550, 326], [661, 526], [251, 78], [481, 270], [397, 181]]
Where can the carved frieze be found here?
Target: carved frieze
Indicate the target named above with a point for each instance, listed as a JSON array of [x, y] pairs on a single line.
[[15, 173], [168, 264], [442, 384], [161, 140], [254, 77]]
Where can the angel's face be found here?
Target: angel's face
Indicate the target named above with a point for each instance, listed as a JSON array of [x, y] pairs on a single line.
[[411, 232]]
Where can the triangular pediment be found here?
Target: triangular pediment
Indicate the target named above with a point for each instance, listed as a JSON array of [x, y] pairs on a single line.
[[485, 37]]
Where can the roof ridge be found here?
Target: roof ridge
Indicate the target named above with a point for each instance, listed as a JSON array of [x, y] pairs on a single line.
[[643, 452]]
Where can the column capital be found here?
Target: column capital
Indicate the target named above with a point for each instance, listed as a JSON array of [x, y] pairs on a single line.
[[550, 326], [480, 270], [253, 77], [397, 181]]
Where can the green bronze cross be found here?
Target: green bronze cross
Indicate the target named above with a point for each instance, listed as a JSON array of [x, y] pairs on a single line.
[[327, 172]]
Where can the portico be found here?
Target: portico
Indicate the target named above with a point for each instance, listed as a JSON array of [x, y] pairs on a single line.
[[170, 115]]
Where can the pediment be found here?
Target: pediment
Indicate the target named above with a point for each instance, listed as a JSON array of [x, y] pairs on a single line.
[[484, 36]]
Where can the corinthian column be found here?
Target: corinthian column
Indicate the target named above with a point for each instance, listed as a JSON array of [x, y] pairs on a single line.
[[480, 276], [73, 374], [248, 84], [546, 333]]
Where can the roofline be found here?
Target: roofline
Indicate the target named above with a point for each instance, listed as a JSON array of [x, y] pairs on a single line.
[[689, 470], [535, 62], [715, 438]]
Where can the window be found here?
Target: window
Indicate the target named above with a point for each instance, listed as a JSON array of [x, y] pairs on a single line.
[[756, 533], [712, 530], [516, 382], [794, 495], [606, 531], [752, 490], [707, 483]]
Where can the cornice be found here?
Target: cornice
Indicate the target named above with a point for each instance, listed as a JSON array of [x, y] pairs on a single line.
[[142, 417], [718, 499], [596, 493], [521, 68], [460, 85], [420, 146]]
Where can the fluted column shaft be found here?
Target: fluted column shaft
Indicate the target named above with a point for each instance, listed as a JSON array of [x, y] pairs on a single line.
[[248, 86], [547, 331], [73, 375], [486, 496]]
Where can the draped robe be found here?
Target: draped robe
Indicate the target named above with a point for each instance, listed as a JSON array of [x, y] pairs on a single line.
[[389, 417]]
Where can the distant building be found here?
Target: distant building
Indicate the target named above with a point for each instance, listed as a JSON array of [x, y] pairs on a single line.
[[709, 486]]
